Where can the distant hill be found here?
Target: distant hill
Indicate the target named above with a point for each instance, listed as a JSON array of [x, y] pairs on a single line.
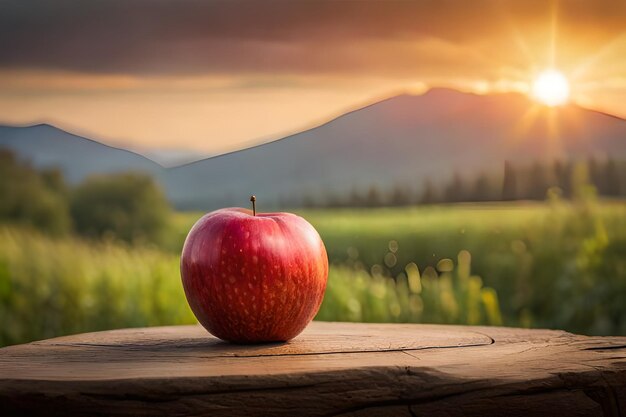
[[172, 157], [401, 140], [47, 146]]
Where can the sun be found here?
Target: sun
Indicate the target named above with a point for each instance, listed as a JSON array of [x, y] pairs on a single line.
[[551, 88]]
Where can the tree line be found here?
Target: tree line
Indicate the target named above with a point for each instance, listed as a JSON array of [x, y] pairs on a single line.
[[131, 206], [125, 206], [515, 182]]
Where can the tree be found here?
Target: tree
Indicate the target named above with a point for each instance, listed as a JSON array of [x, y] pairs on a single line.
[[355, 198], [538, 183], [596, 175], [582, 189], [31, 198], [374, 198], [509, 183], [129, 206], [612, 178], [481, 191], [400, 195], [455, 192], [563, 173], [429, 194]]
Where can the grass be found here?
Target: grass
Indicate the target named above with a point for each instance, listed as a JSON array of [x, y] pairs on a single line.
[[555, 265], [55, 286], [448, 295], [536, 265], [51, 287]]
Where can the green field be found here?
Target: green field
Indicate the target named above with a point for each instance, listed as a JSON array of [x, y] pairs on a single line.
[[538, 265], [558, 264], [552, 265]]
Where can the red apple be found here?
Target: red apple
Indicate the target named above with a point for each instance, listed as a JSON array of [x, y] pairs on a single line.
[[254, 277]]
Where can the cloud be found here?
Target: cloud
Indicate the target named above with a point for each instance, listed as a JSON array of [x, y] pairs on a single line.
[[158, 37]]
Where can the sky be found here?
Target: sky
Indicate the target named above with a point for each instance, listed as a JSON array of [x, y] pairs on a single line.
[[213, 76]]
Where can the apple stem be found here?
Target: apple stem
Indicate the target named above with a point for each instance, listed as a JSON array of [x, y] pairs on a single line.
[[253, 199]]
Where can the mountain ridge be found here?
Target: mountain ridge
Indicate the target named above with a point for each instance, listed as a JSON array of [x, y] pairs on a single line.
[[315, 126], [402, 139], [379, 101], [46, 146], [80, 136]]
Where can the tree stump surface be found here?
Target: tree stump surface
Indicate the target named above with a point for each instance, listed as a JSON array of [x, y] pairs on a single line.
[[332, 369]]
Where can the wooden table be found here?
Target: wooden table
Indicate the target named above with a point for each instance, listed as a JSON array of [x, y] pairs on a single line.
[[332, 369]]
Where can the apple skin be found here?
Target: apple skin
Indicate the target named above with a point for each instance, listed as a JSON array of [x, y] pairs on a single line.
[[254, 278]]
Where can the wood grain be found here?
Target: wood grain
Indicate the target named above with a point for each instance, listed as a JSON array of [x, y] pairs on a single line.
[[332, 369]]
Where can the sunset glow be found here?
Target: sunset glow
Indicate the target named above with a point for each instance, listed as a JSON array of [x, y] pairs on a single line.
[[215, 76]]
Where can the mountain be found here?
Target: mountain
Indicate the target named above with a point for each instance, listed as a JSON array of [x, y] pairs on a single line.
[[47, 146], [171, 157], [401, 140]]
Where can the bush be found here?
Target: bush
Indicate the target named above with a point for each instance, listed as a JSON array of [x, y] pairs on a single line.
[[32, 198], [128, 206]]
